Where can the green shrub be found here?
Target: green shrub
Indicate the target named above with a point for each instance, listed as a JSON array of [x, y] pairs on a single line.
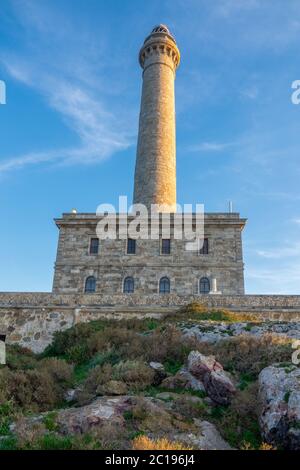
[[18, 358], [35, 390]]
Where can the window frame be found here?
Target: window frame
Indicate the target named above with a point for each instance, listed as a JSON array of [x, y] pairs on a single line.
[[159, 285], [85, 285], [127, 246], [90, 246], [162, 244], [202, 279], [126, 279]]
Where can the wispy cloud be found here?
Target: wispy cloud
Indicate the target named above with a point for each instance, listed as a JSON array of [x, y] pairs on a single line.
[[100, 130], [211, 146], [284, 280], [285, 251]]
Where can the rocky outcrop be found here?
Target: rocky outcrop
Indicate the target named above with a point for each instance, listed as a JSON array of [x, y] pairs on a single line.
[[217, 383], [213, 332], [279, 396], [207, 438], [86, 419]]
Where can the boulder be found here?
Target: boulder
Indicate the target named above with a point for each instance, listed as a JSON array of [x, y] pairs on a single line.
[[86, 418], [217, 383], [157, 418], [183, 379], [159, 372], [207, 437], [219, 387], [279, 396], [198, 364]]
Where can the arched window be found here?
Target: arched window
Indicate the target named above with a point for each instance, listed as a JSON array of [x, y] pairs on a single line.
[[204, 285], [164, 285], [90, 284], [128, 287]]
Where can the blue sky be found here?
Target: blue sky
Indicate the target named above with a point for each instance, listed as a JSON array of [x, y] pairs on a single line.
[[68, 131]]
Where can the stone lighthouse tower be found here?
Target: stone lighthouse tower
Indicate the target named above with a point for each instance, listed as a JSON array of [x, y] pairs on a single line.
[[155, 171]]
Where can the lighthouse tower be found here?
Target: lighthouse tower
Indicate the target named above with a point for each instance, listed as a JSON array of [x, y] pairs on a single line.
[[155, 171]]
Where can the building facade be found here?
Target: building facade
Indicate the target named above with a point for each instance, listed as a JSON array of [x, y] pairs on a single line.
[[163, 265]]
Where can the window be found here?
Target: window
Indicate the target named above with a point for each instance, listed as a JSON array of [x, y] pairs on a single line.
[[131, 246], [128, 287], [164, 285], [204, 285], [90, 284], [204, 249], [166, 246], [94, 246]]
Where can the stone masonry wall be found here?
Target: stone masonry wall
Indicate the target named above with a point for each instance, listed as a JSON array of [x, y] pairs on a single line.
[[30, 319], [112, 263], [155, 172]]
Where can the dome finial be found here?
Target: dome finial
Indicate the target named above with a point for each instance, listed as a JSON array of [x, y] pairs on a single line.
[[161, 28]]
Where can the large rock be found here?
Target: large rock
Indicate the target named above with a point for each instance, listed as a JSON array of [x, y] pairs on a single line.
[[157, 419], [199, 365], [207, 438], [217, 383], [279, 395], [183, 379]]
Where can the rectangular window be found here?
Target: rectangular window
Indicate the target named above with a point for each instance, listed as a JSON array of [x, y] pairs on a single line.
[[94, 246], [165, 246], [131, 246], [204, 249]]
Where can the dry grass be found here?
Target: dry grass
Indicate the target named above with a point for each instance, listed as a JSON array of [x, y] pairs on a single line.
[[145, 443], [197, 311], [249, 354]]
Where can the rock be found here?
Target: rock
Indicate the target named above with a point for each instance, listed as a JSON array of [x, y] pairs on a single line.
[[217, 383], [113, 387], [279, 396], [183, 379], [208, 437], [86, 418], [70, 395], [198, 364], [159, 372], [158, 419], [213, 332], [157, 366], [219, 387]]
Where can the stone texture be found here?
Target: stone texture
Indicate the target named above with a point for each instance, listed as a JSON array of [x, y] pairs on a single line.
[[27, 315], [89, 418], [183, 379], [217, 383], [279, 396], [212, 332], [155, 172], [208, 438], [112, 264]]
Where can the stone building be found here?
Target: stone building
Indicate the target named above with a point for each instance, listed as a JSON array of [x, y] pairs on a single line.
[[148, 266]]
